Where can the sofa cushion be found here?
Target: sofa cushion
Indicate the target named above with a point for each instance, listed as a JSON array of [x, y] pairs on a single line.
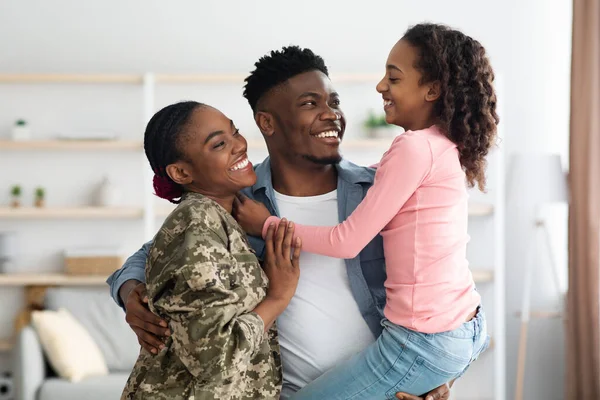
[[71, 350], [104, 320], [107, 387]]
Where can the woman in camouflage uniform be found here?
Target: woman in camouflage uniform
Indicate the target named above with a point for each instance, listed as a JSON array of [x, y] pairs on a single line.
[[202, 275]]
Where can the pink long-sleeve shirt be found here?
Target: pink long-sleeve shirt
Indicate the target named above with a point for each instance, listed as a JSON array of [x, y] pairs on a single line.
[[418, 203]]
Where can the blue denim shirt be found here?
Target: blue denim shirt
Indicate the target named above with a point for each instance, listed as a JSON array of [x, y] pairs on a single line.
[[366, 272]]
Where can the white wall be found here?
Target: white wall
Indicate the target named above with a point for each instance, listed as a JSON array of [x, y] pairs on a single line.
[[529, 44]]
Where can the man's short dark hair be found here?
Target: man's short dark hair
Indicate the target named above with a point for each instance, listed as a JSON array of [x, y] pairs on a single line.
[[277, 67]]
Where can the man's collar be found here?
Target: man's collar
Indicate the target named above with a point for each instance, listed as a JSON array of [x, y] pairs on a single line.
[[346, 170], [263, 175], [355, 174]]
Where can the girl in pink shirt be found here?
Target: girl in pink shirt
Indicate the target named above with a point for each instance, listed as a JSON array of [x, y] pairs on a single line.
[[438, 87]]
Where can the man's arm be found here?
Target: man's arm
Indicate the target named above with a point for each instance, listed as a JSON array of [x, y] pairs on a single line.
[[132, 270], [128, 289]]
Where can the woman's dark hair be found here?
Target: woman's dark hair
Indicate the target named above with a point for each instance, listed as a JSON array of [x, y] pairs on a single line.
[[466, 109], [162, 143]]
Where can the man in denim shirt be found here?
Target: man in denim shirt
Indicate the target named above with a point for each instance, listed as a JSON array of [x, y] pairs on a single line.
[[337, 308]]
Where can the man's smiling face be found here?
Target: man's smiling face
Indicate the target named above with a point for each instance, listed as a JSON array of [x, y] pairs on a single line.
[[308, 120]]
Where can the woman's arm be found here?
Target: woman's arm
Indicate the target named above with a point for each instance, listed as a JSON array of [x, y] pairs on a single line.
[[213, 326], [401, 171]]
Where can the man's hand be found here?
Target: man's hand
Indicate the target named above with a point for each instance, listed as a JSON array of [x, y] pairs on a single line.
[[147, 326], [440, 393], [250, 214]]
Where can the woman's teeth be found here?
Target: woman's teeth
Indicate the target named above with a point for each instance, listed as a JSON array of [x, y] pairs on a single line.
[[240, 165], [327, 134], [387, 103]]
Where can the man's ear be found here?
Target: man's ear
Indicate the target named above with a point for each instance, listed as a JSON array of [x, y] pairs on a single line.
[[434, 92], [179, 173], [265, 122]]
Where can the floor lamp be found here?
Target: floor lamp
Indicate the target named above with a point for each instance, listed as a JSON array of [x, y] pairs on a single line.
[[537, 180]]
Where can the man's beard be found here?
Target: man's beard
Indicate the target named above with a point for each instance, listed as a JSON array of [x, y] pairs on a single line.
[[323, 160]]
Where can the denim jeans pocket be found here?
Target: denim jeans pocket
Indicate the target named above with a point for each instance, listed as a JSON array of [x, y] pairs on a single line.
[[423, 375]]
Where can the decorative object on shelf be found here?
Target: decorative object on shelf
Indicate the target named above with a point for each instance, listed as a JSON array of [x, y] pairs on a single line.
[[537, 180], [378, 128], [8, 250], [6, 387], [15, 193], [21, 131], [107, 195], [40, 197], [92, 261]]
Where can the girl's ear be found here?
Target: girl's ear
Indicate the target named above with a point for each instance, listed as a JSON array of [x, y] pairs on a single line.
[[434, 92]]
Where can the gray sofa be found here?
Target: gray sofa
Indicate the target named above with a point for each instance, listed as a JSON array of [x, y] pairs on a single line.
[[105, 321]]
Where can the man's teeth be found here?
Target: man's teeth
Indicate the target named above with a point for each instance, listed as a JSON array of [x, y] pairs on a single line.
[[387, 103], [240, 165], [327, 134]]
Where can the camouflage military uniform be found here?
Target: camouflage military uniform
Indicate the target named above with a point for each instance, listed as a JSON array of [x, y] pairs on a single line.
[[203, 278]]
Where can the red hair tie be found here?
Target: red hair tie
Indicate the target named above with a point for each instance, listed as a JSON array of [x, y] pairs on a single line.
[[166, 189]]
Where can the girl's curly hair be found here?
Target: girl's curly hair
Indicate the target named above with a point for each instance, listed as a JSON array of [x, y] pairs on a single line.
[[466, 109]]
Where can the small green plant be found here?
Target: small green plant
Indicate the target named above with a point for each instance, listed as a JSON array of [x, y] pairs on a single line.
[[376, 121], [40, 193], [21, 122], [39, 197], [16, 191]]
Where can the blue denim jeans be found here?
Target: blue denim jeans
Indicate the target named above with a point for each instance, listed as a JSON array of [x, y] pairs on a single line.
[[402, 360]]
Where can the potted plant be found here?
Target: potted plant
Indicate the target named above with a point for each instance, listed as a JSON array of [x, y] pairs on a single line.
[[40, 193], [21, 130], [377, 127], [16, 196]]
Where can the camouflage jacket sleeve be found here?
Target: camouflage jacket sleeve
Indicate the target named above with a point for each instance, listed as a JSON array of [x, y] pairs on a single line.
[[214, 330]]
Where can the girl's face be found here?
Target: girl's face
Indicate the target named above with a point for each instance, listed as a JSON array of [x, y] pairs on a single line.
[[214, 161], [407, 101]]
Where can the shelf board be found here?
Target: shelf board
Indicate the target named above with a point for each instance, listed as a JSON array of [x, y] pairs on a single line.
[[6, 345], [71, 212], [71, 145], [72, 78], [481, 275], [51, 279], [475, 209], [253, 144], [542, 314], [163, 78], [480, 209]]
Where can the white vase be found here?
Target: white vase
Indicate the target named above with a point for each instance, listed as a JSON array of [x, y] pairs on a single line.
[[21, 133], [8, 250], [108, 194]]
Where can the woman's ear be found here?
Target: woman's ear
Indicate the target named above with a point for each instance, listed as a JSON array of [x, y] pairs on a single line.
[[265, 123], [434, 92], [179, 173]]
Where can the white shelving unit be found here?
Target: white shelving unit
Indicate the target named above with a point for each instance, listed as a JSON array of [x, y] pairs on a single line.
[[124, 145], [71, 213], [51, 279], [493, 275], [72, 145]]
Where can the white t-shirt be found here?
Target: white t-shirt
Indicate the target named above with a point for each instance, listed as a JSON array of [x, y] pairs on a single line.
[[322, 326]]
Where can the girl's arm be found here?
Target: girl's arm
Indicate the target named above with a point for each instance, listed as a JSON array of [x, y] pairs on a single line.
[[401, 171]]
